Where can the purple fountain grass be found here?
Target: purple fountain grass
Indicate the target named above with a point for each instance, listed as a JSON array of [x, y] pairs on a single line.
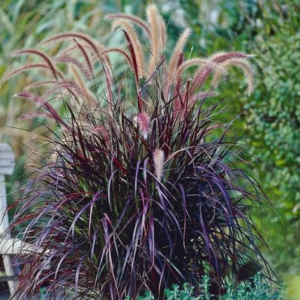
[[139, 190]]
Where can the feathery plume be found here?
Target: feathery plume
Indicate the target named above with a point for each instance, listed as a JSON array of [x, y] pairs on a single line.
[[134, 40], [200, 77], [163, 35], [95, 46], [71, 86], [136, 20], [193, 62], [202, 73], [235, 62], [133, 57], [154, 21], [70, 35], [91, 101], [45, 58], [223, 56], [159, 160], [71, 60], [177, 51], [143, 120], [82, 48], [85, 55], [22, 69], [97, 49], [40, 101], [71, 49]]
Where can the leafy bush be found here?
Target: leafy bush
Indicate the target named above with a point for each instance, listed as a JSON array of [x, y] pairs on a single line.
[[140, 189]]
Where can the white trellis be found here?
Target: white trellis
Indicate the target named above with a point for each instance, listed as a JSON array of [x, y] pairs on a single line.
[[7, 245]]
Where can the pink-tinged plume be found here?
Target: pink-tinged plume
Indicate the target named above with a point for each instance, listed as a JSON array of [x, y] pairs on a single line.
[[159, 159], [143, 121]]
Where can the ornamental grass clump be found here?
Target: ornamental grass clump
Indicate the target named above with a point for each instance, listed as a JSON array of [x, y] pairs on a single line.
[[139, 190]]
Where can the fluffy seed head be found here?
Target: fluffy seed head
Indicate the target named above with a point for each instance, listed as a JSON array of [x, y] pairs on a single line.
[[155, 37], [143, 121], [178, 50], [159, 159]]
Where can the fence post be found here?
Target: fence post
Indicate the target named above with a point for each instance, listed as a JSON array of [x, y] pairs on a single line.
[[7, 164]]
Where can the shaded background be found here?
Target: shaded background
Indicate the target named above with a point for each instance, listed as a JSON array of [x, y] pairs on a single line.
[[270, 117]]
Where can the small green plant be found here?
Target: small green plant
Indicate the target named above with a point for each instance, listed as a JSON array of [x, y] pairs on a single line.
[[255, 289], [139, 190]]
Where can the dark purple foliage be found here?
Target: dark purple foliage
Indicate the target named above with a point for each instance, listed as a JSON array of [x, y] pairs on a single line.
[[139, 198]]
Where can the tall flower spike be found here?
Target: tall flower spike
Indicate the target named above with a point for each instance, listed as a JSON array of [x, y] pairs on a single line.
[[88, 95], [223, 56], [22, 69], [154, 21], [235, 62], [159, 159], [143, 121], [163, 34], [138, 51], [42, 55], [93, 45], [195, 62], [73, 61], [177, 51], [134, 19]]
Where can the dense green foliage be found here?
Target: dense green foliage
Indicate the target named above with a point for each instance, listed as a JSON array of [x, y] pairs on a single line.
[[277, 131]]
